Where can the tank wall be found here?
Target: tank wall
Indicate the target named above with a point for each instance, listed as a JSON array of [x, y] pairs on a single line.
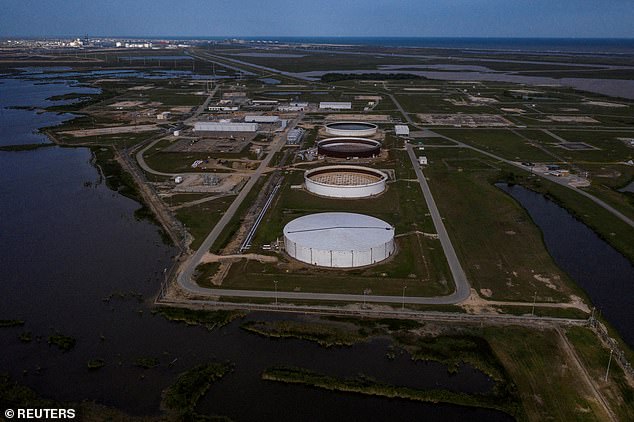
[[347, 132], [345, 192], [339, 259]]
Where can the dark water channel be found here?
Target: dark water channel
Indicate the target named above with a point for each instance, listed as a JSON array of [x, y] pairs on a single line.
[[75, 261], [606, 275]]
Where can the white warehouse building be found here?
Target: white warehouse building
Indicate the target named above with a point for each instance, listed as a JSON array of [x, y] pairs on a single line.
[[401, 130], [333, 105], [225, 127], [339, 239], [262, 119]]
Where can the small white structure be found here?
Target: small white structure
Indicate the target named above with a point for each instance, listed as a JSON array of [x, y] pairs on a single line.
[[224, 108], [264, 102], [339, 239], [262, 119], [164, 115], [178, 179], [334, 105], [225, 127], [177, 133], [401, 130], [345, 181], [422, 160]]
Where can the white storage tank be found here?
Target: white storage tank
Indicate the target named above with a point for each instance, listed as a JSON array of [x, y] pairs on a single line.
[[339, 239], [345, 181]]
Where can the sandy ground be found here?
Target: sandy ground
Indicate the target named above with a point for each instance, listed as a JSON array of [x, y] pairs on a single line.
[[573, 119], [127, 104], [111, 130], [359, 117]]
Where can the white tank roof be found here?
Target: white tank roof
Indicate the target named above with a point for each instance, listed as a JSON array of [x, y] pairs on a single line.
[[339, 231]]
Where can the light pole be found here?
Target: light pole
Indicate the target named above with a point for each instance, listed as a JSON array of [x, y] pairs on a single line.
[[403, 303], [607, 371], [275, 282]]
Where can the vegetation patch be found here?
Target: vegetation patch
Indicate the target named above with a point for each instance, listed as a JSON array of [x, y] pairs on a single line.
[[94, 364], [190, 386], [11, 323], [366, 385], [64, 343], [209, 319], [326, 335], [147, 362]]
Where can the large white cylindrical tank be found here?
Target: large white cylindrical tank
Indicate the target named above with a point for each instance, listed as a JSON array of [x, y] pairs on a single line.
[[351, 128], [345, 181], [339, 239]]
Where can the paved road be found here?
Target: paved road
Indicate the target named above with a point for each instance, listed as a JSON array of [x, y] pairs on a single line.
[[463, 288], [184, 278], [554, 179]]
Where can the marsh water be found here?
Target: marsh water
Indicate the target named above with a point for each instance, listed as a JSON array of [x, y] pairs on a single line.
[[77, 262]]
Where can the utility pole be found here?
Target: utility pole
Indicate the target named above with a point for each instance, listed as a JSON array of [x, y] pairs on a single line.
[[607, 371], [275, 282], [403, 303], [534, 300]]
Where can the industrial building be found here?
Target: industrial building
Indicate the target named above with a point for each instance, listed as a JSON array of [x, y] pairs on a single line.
[[333, 105], [351, 129], [349, 147], [345, 181], [339, 239], [262, 119], [295, 136], [225, 127], [401, 130]]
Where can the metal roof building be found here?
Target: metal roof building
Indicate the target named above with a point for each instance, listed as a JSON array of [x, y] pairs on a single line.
[[333, 105], [225, 127], [339, 239], [401, 130], [262, 119]]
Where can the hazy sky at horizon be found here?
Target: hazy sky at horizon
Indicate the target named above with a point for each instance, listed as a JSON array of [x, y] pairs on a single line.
[[254, 18]]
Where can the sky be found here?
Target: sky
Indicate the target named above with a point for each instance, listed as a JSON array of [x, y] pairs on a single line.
[[262, 18]]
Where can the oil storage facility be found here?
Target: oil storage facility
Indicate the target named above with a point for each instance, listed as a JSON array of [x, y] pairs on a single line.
[[348, 147], [345, 181], [339, 239], [351, 129]]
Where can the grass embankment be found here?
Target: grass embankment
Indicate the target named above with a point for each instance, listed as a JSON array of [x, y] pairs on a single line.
[[204, 272], [200, 219], [236, 221], [595, 357], [501, 250], [122, 182], [369, 386], [549, 387], [327, 335], [208, 319], [182, 397]]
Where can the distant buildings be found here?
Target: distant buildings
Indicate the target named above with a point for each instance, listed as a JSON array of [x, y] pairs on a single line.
[[225, 127], [333, 105]]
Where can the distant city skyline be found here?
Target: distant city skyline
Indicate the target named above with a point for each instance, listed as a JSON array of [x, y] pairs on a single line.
[[327, 18]]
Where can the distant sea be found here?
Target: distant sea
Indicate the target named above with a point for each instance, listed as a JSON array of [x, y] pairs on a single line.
[[525, 45]]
